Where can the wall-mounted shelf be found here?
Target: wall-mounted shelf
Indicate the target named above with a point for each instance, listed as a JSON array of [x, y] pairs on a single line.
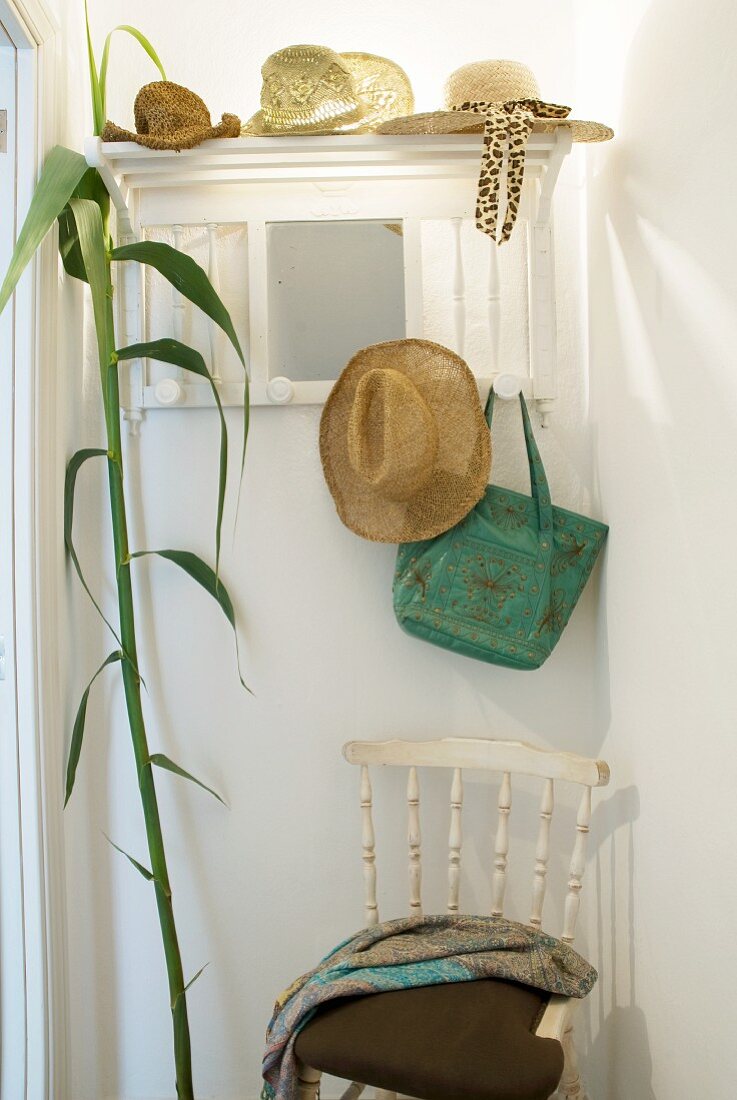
[[258, 181]]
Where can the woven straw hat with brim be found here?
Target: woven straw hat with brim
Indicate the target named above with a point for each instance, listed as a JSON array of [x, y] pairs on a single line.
[[169, 116], [502, 100], [314, 90], [404, 444], [494, 83]]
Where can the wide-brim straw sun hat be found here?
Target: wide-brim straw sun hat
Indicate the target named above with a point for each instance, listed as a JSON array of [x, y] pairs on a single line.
[[501, 99], [496, 83], [169, 116], [404, 444], [314, 90]]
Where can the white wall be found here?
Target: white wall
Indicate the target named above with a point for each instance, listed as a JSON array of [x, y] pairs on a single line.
[[663, 330], [263, 889]]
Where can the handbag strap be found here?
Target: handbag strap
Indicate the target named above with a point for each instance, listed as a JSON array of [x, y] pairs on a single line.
[[538, 478]]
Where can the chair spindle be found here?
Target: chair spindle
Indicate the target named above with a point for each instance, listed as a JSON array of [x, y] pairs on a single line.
[[368, 842], [501, 847], [414, 841], [577, 868], [542, 854], [455, 841]]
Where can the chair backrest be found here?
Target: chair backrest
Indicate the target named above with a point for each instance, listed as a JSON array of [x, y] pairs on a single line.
[[507, 758]]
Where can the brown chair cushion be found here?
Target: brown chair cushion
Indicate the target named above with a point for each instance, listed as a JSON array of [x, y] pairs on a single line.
[[464, 1041]]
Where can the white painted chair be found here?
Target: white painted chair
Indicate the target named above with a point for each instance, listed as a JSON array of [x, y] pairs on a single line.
[[508, 758]]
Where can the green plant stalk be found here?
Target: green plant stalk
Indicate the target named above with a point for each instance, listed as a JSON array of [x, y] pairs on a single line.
[[68, 190], [136, 721]]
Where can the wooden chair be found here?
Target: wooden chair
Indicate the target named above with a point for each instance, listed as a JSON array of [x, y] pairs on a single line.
[[331, 1042]]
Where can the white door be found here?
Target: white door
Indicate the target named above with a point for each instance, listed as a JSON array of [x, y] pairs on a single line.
[[12, 953]]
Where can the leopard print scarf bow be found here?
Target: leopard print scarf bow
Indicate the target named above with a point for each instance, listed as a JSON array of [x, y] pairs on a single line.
[[509, 122]]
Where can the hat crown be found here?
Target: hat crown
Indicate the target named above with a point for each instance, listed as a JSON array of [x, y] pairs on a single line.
[[164, 108], [303, 85], [490, 82], [403, 441], [392, 434]]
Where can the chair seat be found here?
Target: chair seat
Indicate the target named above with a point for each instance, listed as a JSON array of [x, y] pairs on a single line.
[[464, 1041]]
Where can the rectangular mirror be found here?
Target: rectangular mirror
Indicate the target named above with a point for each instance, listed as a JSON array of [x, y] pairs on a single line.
[[333, 288]]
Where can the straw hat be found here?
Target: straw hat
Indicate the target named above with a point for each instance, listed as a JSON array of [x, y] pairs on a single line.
[[497, 83], [502, 100], [313, 90], [404, 444], [169, 116]]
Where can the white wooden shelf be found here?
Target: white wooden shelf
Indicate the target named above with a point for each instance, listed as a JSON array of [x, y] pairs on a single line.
[[256, 181], [131, 167]]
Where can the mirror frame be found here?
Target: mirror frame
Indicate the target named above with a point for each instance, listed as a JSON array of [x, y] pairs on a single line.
[[282, 390]]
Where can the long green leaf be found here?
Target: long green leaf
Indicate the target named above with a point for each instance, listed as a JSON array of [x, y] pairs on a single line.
[[88, 220], [70, 480], [138, 866], [98, 113], [172, 351], [62, 171], [75, 747], [89, 187], [143, 41], [186, 276], [190, 280], [201, 572], [161, 761]]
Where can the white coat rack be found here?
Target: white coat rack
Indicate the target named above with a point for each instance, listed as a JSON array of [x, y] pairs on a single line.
[[258, 181]]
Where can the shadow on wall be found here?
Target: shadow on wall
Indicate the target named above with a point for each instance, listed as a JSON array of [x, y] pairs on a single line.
[[663, 332], [618, 1057]]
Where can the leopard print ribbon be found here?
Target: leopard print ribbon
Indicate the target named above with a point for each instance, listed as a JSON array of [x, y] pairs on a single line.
[[510, 122]]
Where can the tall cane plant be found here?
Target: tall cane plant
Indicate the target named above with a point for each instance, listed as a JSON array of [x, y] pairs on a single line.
[[70, 193]]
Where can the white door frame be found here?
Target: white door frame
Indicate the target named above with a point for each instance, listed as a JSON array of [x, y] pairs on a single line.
[[37, 579]]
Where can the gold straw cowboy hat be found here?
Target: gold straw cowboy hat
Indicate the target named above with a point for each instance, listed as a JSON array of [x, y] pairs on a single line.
[[169, 116], [500, 99], [404, 444], [313, 90]]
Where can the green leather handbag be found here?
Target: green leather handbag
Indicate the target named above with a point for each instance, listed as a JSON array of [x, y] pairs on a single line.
[[501, 585]]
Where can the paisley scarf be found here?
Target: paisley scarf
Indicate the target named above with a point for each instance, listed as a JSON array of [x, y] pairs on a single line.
[[417, 951]]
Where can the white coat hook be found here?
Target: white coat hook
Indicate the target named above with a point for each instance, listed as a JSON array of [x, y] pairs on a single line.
[[168, 392], [213, 274], [507, 386]]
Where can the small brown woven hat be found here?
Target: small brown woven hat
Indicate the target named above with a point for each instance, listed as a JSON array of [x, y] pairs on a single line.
[[169, 116], [404, 444]]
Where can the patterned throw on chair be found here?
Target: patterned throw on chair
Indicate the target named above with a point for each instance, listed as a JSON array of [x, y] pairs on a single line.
[[411, 952]]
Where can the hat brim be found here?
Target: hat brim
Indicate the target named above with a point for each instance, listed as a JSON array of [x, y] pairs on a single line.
[[185, 138], [469, 122], [461, 470], [258, 127]]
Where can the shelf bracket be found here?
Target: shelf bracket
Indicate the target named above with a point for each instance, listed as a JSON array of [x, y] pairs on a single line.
[[119, 194]]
